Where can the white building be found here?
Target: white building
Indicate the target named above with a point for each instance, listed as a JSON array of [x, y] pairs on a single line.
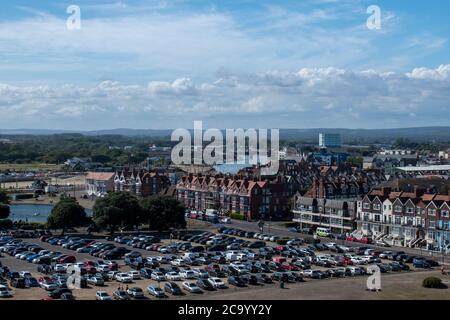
[[329, 140]]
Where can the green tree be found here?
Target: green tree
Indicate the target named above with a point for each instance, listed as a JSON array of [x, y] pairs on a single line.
[[4, 197], [4, 211], [117, 209], [67, 213], [163, 213]]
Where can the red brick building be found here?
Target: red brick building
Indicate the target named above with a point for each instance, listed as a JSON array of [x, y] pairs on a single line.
[[252, 198]]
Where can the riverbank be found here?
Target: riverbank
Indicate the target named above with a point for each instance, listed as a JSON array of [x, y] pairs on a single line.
[[85, 203]]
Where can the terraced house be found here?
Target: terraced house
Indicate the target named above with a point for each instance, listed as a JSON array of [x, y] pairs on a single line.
[[250, 197], [338, 215], [416, 218], [140, 182]]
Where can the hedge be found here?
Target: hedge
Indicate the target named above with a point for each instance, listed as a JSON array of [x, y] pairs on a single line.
[[237, 216], [23, 196], [6, 224], [432, 282]]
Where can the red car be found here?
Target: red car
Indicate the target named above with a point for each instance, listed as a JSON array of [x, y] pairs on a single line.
[[67, 259], [290, 267], [113, 266], [90, 267], [347, 261], [350, 238], [154, 247], [375, 253], [365, 240]]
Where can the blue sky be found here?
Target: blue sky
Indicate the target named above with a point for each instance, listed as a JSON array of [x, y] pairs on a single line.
[[163, 64]]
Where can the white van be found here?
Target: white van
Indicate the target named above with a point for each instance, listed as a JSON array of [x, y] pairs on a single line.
[[323, 232]]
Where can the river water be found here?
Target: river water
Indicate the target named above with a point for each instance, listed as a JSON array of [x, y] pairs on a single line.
[[33, 212]]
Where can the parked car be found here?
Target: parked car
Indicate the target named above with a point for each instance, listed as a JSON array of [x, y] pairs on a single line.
[[123, 277], [5, 292], [121, 295], [191, 287], [156, 291], [103, 296], [96, 280], [172, 288], [56, 294], [136, 293]]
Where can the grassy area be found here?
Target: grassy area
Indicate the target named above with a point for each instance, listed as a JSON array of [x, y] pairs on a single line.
[[25, 167]]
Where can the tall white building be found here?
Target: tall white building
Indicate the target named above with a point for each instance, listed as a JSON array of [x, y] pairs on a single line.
[[329, 140]]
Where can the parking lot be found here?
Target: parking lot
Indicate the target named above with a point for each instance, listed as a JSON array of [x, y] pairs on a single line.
[[202, 264]]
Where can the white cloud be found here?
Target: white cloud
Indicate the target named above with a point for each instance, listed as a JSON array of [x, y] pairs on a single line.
[[312, 97]]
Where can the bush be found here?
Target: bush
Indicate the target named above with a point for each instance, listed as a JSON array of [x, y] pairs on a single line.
[[432, 282], [6, 224], [23, 196], [23, 225], [237, 216]]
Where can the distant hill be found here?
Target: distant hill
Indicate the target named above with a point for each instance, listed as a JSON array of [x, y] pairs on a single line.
[[420, 134]]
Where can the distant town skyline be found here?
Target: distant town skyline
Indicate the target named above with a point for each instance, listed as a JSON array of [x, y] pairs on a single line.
[[264, 64]]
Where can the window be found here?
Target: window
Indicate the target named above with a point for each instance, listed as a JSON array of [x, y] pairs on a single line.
[[398, 208], [377, 218], [366, 205], [432, 212], [409, 210], [432, 224], [377, 206], [444, 213]]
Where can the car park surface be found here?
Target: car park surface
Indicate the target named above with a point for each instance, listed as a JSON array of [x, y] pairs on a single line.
[[234, 260]]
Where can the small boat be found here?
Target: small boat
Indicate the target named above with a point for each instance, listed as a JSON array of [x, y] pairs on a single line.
[[36, 214]]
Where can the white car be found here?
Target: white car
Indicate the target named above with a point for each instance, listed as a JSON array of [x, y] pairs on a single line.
[[4, 292], [191, 287], [200, 273], [112, 275], [96, 281], [135, 275], [59, 268], [187, 274], [158, 276], [102, 267], [178, 262], [103, 296], [124, 277], [217, 283], [274, 238], [173, 276]]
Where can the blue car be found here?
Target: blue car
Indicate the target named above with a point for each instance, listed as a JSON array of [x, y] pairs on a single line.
[[421, 263], [292, 229], [31, 282]]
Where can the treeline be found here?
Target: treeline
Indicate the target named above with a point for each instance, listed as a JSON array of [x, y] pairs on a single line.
[[55, 149], [119, 211]]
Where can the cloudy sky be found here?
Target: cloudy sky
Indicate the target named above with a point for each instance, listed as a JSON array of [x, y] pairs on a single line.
[[247, 63]]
